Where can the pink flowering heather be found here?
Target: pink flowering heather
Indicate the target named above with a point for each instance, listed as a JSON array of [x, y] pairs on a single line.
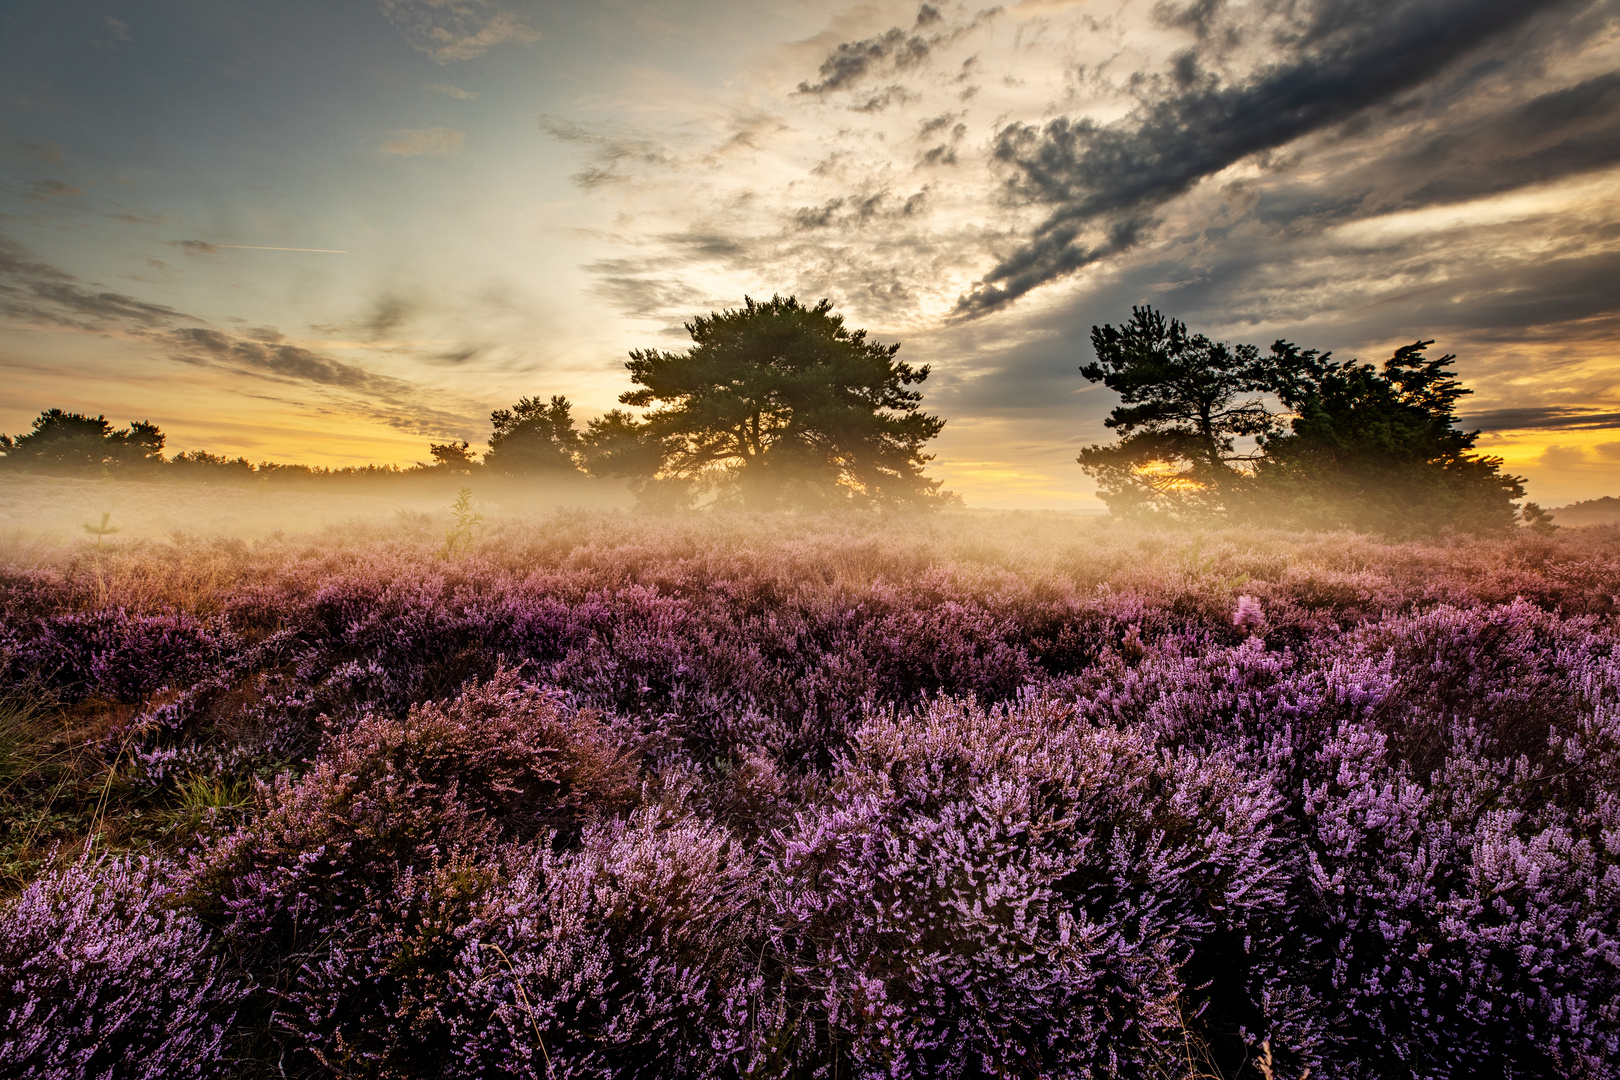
[[815, 798], [103, 977]]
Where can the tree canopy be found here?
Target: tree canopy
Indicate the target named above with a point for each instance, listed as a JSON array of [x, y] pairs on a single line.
[[532, 437], [777, 403], [1380, 450], [1335, 445], [71, 442], [453, 456], [1185, 402]]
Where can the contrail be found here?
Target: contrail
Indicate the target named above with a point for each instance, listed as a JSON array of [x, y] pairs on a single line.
[[257, 247]]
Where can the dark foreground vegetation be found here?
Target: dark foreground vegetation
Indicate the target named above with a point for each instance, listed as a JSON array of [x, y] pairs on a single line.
[[958, 795]]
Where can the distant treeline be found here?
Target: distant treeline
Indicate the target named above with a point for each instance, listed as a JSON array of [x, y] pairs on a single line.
[[72, 444], [1604, 511]]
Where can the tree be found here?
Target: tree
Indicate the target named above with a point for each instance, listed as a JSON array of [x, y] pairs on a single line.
[[534, 438], [1347, 446], [1185, 402], [455, 457], [1380, 450], [778, 403], [616, 445], [71, 442]]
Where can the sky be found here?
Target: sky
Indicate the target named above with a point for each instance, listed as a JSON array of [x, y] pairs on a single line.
[[333, 232]]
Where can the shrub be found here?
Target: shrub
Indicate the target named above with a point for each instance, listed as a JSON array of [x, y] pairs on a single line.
[[1007, 890], [105, 978]]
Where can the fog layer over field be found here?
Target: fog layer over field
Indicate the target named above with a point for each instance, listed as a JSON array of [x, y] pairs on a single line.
[[52, 510]]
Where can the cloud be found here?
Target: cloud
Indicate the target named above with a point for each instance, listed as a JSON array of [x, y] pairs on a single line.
[[116, 33], [889, 95], [1103, 182], [452, 91], [389, 312], [33, 291], [265, 353], [1544, 418], [895, 50], [611, 155], [861, 208], [639, 291], [276, 358], [196, 247], [1562, 457], [449, 30], [1467, 151], [434, 141]]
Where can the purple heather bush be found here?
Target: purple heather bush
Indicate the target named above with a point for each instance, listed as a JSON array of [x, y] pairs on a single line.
[[103, 975], [1008, 891], [773, 797]]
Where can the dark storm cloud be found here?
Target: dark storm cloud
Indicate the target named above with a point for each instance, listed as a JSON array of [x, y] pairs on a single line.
[[1339, 62], [35, 292], [1493, 149], [1503, 318], [1572, 130], [897, 49]]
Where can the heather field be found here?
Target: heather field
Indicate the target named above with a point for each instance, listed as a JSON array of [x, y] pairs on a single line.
[[599, 794]]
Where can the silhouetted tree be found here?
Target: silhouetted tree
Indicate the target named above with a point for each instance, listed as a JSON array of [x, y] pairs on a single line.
[[456, 457], [534, 438], [1379, 449], [778, 403], [1185, 402], [1537, 519], [73, 443], [1346, 445]]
